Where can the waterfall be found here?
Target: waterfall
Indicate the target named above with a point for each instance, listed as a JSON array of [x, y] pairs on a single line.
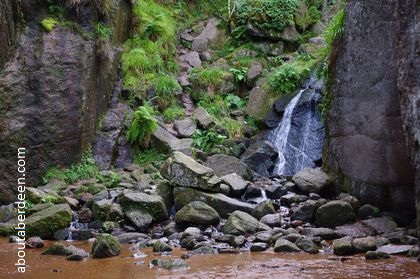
[[280, 134], [299, 136]]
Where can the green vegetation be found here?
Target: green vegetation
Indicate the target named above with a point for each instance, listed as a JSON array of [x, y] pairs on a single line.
[[289, 77], [208, 80], [266, 15], [103, 31], [172, 113], [233, 102], [143, 125], [234, 128], [305, 17], [149, 155], [334, 30], [85, 169], [110, 180], [239, 74], [332, 34], [49, 23], [152, 48], [166, 88], [206, 140]]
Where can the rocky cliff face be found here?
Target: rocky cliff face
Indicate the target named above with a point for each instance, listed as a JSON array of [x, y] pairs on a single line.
[[408, 55], [367, 148], [8, 15], [55, 87]]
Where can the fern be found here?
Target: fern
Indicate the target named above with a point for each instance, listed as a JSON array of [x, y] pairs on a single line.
[[143, 126]]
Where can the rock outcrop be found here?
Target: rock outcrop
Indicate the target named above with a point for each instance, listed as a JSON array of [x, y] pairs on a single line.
[[372, 101], [55, 86]]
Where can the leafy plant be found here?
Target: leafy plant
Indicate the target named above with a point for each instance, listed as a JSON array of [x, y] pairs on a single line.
[[143, 125], [214, 105], [239, 74], [266, 15], [172, 113], [103, 31], [110, 180], [206, 140], [233, 101], [49, 23], [285, 80]]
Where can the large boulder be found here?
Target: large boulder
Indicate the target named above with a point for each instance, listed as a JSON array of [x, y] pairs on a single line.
[[311, 180], [261, 157], [283, 245], [343, 246], [236, 184], [47, 221], [260, 102], [182, 170], [185, 127], [221, 203], [105, 246], [140, 219], [59, 249], [241, 223], [167, 142], [197, 213], [151, 204], [224, 164], [211, 36], [334, 213], [202, 117]]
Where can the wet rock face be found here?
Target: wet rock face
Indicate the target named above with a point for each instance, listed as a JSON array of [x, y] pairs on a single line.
[[53, 91], [409, 85], [366, 142], [7, 29]]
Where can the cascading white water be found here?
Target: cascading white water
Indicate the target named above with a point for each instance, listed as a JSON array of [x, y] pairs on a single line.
[[279, 135]]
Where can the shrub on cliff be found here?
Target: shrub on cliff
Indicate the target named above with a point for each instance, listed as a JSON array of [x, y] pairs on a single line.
[[268, 15]]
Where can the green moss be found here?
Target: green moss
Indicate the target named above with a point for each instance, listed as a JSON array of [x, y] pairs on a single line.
[[45, 222], [49, 23], [105, 245]]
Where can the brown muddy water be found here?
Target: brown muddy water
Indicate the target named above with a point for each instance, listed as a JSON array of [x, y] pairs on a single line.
[[245, 265]]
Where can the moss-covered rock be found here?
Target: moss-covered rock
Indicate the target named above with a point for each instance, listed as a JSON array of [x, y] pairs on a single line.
[[151, 204], [60, 249], [47, 221], [221, 203], [197, 213], [105, 246], [241, 223], [184, 171]]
